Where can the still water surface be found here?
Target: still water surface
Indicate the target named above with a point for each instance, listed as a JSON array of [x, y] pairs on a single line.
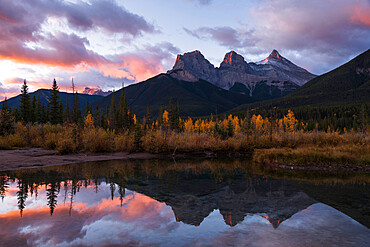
[[183, 203]]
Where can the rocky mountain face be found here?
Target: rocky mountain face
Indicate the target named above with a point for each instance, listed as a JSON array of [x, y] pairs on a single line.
[[273, 77]]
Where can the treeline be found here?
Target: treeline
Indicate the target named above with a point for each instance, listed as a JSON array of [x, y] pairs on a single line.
[[116, 128], [119, 117], [340, 118]]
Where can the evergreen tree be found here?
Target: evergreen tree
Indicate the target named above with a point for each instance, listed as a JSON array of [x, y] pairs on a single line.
[[230, 128], [67, 113], [137, 136], [122, 113], [77, 118], [16, 115], [173, 116], [33, 108], [37, 110], [25, 104], [97, 117], [60, 112], [112, 113], [6, 119], [88, 107], [54, 104], [44, 114], [148, 121]]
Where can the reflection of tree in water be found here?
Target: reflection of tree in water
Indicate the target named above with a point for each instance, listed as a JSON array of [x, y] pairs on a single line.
[[230, 184], [51, 195], [22, 195], [3, 186]]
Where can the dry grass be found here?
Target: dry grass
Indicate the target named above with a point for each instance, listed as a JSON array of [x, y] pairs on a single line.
[[297, 148], [344, 155]]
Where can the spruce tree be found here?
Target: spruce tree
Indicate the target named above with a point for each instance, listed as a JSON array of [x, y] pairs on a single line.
[[44, 114], [148, 121], [77, 118], [97, 117], [122, 113], [37, 110], [173, 116], [54, 104], [6, 119], [60, 112], [230, 128], [112, 113], [33, 109], [67, 113], [88, 107], [25, 104]]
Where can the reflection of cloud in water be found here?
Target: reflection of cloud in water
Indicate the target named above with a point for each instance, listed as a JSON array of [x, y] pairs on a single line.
[[98, 220]]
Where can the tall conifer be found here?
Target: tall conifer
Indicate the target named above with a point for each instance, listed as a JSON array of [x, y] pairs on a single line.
[[25, 104], [55, 117], [6, 119]]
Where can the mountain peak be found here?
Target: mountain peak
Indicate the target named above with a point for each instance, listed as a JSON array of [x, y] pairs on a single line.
[[233, 58], [192, 66], [275, 54]]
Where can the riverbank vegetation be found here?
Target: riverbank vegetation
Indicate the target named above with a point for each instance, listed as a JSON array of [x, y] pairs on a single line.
[[277, 139]]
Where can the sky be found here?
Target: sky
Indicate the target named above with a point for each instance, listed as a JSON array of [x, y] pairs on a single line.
[[107, 43]]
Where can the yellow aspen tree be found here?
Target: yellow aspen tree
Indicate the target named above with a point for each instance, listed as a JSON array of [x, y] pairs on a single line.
[[89, 121], [290, 121], [259, 123], [188, 125], [165, 118]]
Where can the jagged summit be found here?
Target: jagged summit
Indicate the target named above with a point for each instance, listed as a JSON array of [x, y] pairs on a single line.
[[232, 58], [275, 54], [192, 66]]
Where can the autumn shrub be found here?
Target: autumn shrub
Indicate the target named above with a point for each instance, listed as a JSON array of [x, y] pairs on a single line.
[[65, 144], [155, 142], [124, 142], [97, 140]]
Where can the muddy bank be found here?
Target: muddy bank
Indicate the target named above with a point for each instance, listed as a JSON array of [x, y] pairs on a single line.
[[37, 157]]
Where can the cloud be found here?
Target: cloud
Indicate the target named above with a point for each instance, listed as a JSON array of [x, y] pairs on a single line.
[[316, 34], [148, 61], [26, 38], [104, 14], [226, 36], [201, 2]]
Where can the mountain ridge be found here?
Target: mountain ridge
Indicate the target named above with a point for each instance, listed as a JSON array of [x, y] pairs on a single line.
[[346, 84], [192, 66]]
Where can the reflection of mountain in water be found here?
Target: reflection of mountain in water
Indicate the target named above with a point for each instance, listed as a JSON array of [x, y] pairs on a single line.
[[194, 199], [194, 189]]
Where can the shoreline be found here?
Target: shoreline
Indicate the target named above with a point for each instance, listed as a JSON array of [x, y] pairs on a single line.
[[329, 168], [39, 157]]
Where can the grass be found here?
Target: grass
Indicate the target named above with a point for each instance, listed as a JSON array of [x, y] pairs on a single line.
[[343, 155], [299, 149]]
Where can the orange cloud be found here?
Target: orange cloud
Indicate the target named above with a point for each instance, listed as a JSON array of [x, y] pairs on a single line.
[[361, 15]]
